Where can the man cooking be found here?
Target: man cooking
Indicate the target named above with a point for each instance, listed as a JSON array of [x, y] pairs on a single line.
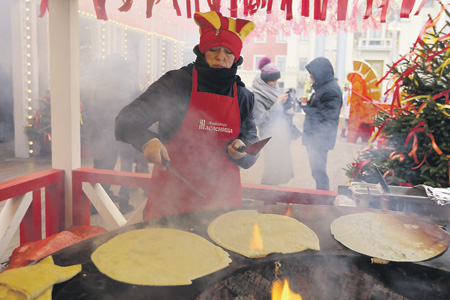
[[204, 114]]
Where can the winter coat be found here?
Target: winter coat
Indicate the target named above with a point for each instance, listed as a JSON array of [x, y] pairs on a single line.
[[272, 120], [166, 102], [323, 108]]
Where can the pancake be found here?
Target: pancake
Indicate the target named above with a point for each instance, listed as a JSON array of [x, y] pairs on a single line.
[[390, 237], [279, 234], [159, 257]]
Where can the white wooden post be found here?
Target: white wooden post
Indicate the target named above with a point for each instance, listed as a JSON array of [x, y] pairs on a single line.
[[65, 92]]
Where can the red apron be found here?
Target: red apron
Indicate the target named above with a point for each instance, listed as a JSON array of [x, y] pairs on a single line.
[[198, 151]]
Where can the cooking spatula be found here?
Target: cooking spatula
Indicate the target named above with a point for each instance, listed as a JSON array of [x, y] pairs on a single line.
[[172, 170]]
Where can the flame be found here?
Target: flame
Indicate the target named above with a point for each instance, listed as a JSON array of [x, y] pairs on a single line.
[[281, 291], [288, 211], [256, 241]]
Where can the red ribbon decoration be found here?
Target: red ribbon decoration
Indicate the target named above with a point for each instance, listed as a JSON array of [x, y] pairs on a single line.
[[316, 9], [214, 5], [419, 127], [246, 7], [360, 165], [407, 6], [253, 7], [395, 154], [176, 7], [423, 161], [422, 4], [433, 143], [323, 12], [384, 7], [368, 12], [197, 5], [188, 9], [286, 5], [269, 6], [150, 4], [263, 3], [126, 5], [233, 8], [413, 151], [439, 52], [342, 10], [442, 94], [305, 8], [43, 8], [100, 9]]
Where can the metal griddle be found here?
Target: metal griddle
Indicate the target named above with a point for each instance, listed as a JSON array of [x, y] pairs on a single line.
[[91, 284]]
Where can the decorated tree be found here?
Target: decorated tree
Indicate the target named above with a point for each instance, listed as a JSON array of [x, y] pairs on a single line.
[[414, 134], [38, 128]]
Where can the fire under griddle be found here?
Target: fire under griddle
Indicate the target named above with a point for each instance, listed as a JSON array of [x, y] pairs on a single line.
[[334, 272], [334, 277]]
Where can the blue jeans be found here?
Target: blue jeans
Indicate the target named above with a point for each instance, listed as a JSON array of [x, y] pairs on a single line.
[[318, 162]]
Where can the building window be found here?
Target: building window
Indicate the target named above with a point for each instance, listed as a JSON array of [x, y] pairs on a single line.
[[261, 39], [429, 3], [281, 38], [302, 62], [281, 62], [256, 60]]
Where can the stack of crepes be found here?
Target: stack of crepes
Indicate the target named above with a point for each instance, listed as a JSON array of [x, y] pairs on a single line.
[[35, 281]]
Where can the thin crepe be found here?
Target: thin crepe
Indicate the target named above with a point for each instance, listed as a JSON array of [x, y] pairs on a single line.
[[390, 237], [159, 257], [280, 234]]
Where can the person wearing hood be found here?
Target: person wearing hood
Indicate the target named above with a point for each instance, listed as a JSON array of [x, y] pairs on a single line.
[[321, 119], [273, 120], [204, 115]]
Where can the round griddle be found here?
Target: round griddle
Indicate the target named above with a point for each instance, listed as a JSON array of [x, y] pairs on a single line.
[[91, 284]]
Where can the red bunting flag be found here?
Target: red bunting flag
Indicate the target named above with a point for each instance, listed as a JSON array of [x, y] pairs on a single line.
[[406, 9], [368, 12], [100, 9], [43, 8], [342, 10], [126, 5]]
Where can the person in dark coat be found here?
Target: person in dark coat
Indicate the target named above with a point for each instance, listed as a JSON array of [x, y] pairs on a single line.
[[204, 115], [322, 118]]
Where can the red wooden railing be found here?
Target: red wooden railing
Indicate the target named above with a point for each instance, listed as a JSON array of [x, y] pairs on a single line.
[[53, 182], [81, 206], [266, 193]]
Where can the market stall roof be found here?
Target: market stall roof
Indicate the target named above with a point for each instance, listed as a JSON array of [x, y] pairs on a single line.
[[250, 7]]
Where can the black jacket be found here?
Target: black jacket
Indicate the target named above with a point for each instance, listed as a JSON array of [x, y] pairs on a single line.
[[324, 106], [165, 103]]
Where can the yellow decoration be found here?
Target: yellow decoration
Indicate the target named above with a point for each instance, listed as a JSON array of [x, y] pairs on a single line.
[[35, 281]]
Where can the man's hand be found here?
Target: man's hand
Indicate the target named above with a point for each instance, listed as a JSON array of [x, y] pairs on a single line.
[[154, 150], [233, 149]]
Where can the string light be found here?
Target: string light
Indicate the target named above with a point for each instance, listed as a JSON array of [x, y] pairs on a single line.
[[125, 52], [28, 54], [28, 73], [163, 64], [148, 58]]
